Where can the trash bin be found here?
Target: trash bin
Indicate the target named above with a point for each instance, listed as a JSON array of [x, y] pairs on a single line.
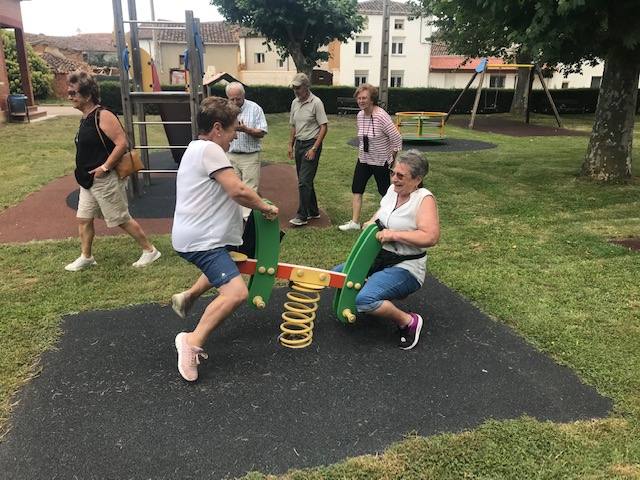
[[18, 108]]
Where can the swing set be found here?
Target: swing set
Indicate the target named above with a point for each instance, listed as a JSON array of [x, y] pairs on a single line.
[[483, 68]]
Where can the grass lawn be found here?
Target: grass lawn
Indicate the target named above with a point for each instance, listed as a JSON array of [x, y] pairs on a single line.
[[523, 237]]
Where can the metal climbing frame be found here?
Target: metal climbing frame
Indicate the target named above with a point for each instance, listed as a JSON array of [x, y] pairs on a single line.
[[134, 98]]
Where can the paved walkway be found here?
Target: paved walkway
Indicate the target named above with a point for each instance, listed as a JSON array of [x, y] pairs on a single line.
[[153, 210], [54, 111]]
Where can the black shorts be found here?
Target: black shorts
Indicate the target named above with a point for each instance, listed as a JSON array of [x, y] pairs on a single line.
[[362, 174]]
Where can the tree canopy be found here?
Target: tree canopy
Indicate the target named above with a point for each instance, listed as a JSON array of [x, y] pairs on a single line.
[[41, 76], [296, 27], [565, 32]]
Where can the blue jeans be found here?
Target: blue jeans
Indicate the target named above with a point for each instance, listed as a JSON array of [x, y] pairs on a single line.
[[392, 283]]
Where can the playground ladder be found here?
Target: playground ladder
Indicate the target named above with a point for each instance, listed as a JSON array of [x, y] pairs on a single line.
[[134, 99]]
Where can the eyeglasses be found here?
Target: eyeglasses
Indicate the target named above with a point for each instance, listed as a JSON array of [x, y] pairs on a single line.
[[393, 173], [72, 93]]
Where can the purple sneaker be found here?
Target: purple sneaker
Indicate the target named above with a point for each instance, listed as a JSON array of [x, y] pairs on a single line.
[[410, 335], [188, 358]]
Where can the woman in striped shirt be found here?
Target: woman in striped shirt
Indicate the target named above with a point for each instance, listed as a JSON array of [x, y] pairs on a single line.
[[379, 142]]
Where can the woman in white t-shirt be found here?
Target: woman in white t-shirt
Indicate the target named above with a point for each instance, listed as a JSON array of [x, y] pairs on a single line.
[[207, 219], [408, 218]]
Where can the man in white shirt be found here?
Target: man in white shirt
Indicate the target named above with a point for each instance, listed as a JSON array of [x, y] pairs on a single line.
[[244, 153]]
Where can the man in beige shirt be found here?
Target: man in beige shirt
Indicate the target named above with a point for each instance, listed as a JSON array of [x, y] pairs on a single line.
[[308, 122]]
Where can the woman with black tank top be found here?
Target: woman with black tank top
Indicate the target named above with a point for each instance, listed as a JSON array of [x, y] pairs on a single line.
[[100, 143]]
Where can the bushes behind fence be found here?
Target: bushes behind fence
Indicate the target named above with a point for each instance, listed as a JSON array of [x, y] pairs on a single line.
[[277, 99]]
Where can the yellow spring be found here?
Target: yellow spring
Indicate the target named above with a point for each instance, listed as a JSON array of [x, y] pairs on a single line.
[[300, 312]]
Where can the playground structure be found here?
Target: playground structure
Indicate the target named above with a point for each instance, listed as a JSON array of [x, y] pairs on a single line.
[[484, 67], [306, 282], [421, 126], [178, 110]]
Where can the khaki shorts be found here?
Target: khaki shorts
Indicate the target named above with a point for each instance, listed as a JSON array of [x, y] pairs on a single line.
[[247, 167], [107, 198]]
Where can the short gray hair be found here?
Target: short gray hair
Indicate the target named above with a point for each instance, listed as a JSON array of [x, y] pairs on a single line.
[[418, 165], [232, 85]]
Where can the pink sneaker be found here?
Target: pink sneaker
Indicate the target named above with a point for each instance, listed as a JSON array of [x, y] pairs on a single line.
[[188, 358]]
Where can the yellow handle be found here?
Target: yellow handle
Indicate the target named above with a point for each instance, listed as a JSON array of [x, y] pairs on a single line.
[[346, 313], [259, 302]]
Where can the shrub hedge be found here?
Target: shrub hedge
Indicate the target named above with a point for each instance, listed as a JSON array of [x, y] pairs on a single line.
[[277, 99]]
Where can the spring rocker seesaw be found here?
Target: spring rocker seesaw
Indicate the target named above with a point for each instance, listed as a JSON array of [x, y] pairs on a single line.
[[305, 282]]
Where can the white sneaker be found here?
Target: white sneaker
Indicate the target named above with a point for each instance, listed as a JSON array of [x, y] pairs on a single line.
[[80, 263], [180, 304], [298, 222], [147, 258], [350, 225]]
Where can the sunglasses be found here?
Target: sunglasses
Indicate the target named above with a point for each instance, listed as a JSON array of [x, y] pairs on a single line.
[[71, 93], [393, 173]]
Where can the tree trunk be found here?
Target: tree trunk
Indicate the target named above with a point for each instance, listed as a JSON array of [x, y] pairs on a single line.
[[300, 60], [520, 93], [609, 153], [519, 102]]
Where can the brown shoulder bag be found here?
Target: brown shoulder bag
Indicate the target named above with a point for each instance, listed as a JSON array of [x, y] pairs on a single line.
[[130, 161]]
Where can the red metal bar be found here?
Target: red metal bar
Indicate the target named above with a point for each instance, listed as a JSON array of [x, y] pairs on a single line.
[[248, 267]]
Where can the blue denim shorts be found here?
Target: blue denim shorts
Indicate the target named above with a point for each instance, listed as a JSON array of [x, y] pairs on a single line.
[[392, 283], [216, 264]]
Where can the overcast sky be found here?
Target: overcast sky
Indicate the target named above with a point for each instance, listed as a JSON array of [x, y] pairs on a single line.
[[68, 17]]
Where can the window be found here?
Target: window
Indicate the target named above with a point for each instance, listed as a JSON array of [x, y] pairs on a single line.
[[595, 82], [362, 46], [565, 85], [181, 61], [259, 58], [397, 46], [398, 24], [280, 63], [396, 78], [360, 77], [497, 81]]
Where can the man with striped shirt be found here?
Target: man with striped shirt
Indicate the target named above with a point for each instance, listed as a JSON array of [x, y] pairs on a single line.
[[379, 141], [244, 152]]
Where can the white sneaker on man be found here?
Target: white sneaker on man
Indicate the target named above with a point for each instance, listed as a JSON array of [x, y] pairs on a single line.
[[147, 258], [350, 225], [80, 263], [298, 222]]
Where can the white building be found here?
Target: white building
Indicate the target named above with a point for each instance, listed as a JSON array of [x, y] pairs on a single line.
[[591, 77], [408, 49]]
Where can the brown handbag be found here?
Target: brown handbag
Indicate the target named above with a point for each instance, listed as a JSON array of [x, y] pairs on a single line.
[[130, 162]]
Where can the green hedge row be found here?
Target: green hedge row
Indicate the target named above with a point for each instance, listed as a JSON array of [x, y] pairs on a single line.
[[277, 99]]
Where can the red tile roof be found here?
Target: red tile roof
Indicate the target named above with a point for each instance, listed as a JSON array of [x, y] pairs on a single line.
[[221, 33], [63, 65], [374, 7], [83, 42]]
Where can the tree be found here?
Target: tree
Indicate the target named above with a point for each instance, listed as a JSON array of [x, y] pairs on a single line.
[[41, 76], [570, 33], [296, 27]]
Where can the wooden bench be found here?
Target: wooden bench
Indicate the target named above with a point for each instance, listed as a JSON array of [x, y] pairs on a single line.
[[347, 105]]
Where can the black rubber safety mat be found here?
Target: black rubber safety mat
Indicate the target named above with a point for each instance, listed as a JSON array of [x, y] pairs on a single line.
[[446, 145], [109, 402]]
